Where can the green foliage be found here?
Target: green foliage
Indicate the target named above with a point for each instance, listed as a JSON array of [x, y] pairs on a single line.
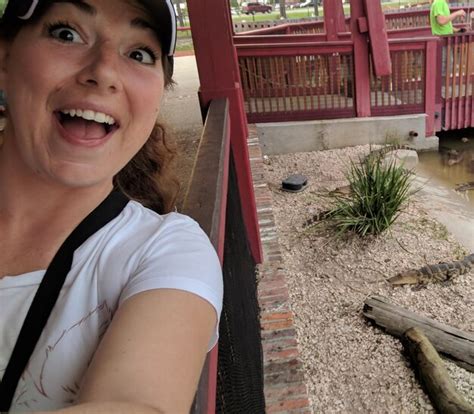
[[378, 194]]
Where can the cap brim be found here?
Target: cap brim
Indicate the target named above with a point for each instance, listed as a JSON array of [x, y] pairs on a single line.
[[163, 13]]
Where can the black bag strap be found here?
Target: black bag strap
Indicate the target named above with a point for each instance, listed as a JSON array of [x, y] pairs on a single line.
[[48, 292]]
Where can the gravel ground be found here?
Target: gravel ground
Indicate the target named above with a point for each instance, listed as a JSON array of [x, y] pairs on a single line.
[[350, 365]]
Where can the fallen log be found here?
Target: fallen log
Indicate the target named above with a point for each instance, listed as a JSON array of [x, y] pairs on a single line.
[[433, 375], [451, 342]]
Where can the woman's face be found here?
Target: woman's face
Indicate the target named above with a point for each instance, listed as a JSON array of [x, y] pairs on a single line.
[[84, 87]]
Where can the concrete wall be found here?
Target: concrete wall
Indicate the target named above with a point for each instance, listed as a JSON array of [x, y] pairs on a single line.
[[289, 137]]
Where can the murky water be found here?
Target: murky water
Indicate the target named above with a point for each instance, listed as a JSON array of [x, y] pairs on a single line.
[[452, 166], [441, 174]]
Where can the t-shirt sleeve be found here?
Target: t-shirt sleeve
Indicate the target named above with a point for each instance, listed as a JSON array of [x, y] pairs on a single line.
[[179, 256], [440, 9]]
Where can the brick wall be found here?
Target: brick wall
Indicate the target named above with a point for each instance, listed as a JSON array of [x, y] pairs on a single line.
[[284, 382]]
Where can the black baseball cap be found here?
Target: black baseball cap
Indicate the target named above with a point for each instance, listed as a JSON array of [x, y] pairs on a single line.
[[161, 11]]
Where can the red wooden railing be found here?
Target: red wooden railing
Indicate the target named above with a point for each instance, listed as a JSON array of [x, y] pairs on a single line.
[[302, 76], [410, 19], [403, 91], [302, 81], [206, 203], [297, 81], [457, 68]]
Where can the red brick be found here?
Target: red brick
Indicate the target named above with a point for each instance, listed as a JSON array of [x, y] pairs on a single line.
[[276, 316], [287, 405], [263, 301], [283, 343], [277, 325], [277, 291], [280, 355], [278, 335], [270, 285], [284, 392]]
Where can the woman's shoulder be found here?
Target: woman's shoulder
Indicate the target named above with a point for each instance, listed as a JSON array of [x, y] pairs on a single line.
[[141, 250], [144, 224], [139, 235]]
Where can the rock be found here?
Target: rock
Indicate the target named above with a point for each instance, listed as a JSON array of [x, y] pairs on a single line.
[[407, 158], [465, 139]]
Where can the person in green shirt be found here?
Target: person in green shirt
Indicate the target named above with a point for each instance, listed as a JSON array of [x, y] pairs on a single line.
[[441, 18]]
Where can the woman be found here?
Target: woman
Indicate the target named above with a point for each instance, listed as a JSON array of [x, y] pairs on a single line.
[[139, 307]]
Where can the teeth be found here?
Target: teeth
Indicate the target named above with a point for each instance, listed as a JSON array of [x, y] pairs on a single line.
[[90, 115]]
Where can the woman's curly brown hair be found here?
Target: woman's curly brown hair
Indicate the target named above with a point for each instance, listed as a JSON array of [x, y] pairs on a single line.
[[148, 177]]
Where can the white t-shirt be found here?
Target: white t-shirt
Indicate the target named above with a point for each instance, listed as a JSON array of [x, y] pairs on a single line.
[[137, 251]]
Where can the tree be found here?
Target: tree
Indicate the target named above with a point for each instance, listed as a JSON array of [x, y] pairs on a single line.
[[180, 12], [282, 9], [316, 8]]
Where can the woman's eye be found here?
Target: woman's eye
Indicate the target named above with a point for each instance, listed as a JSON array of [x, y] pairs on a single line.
[[143, 55], [65, 34]]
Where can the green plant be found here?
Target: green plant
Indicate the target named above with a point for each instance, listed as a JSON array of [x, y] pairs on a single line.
[[378, 194]]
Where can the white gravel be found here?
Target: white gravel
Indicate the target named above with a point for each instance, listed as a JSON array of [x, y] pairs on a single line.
[[350, 365]]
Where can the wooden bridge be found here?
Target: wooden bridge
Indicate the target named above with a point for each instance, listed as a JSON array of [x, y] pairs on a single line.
[[302, 71]]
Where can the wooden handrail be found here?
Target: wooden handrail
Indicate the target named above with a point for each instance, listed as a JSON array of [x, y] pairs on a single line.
[[206, 202]]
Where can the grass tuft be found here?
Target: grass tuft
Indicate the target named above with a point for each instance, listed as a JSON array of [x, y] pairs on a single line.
[[378, 195]]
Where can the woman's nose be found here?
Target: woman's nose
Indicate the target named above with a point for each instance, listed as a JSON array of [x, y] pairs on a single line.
[[102, 68]]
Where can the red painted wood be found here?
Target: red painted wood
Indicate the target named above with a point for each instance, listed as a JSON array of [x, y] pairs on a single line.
[[378, 38], [340, 17], [361, 62], [293, 49], [334, 21], [430, 85], [467, 119], [363, 24], [219, 77]]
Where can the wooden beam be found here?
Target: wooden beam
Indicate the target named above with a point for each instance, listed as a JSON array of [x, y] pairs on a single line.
[[450, 341], [219, 77], [334, 23], [361, 61], [206, 202], [433, 375], [378, 38]]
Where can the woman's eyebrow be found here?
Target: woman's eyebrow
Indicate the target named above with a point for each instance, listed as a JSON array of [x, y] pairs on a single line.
[[81, 5], [141, 23]]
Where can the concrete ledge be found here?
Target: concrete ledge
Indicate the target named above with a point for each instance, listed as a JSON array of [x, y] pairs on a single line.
[[289, 137]]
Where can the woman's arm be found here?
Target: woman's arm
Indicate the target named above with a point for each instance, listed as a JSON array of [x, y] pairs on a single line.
[[151, 357]]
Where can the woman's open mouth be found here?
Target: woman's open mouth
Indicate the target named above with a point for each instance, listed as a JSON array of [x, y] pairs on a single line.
[[85, 127]]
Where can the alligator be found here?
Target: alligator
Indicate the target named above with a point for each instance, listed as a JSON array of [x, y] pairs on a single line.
[[440, 272], [317, 217], [379, 153], [465, 186], [453, 157], [345, 191]]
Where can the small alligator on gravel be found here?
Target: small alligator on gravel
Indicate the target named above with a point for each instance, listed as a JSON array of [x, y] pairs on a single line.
[[379, 153], [440, 272]]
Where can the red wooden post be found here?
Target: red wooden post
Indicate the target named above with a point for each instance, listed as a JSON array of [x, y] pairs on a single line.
[[334, 21], [361, 61], [219, 77], [431, 72], [378, 38]]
